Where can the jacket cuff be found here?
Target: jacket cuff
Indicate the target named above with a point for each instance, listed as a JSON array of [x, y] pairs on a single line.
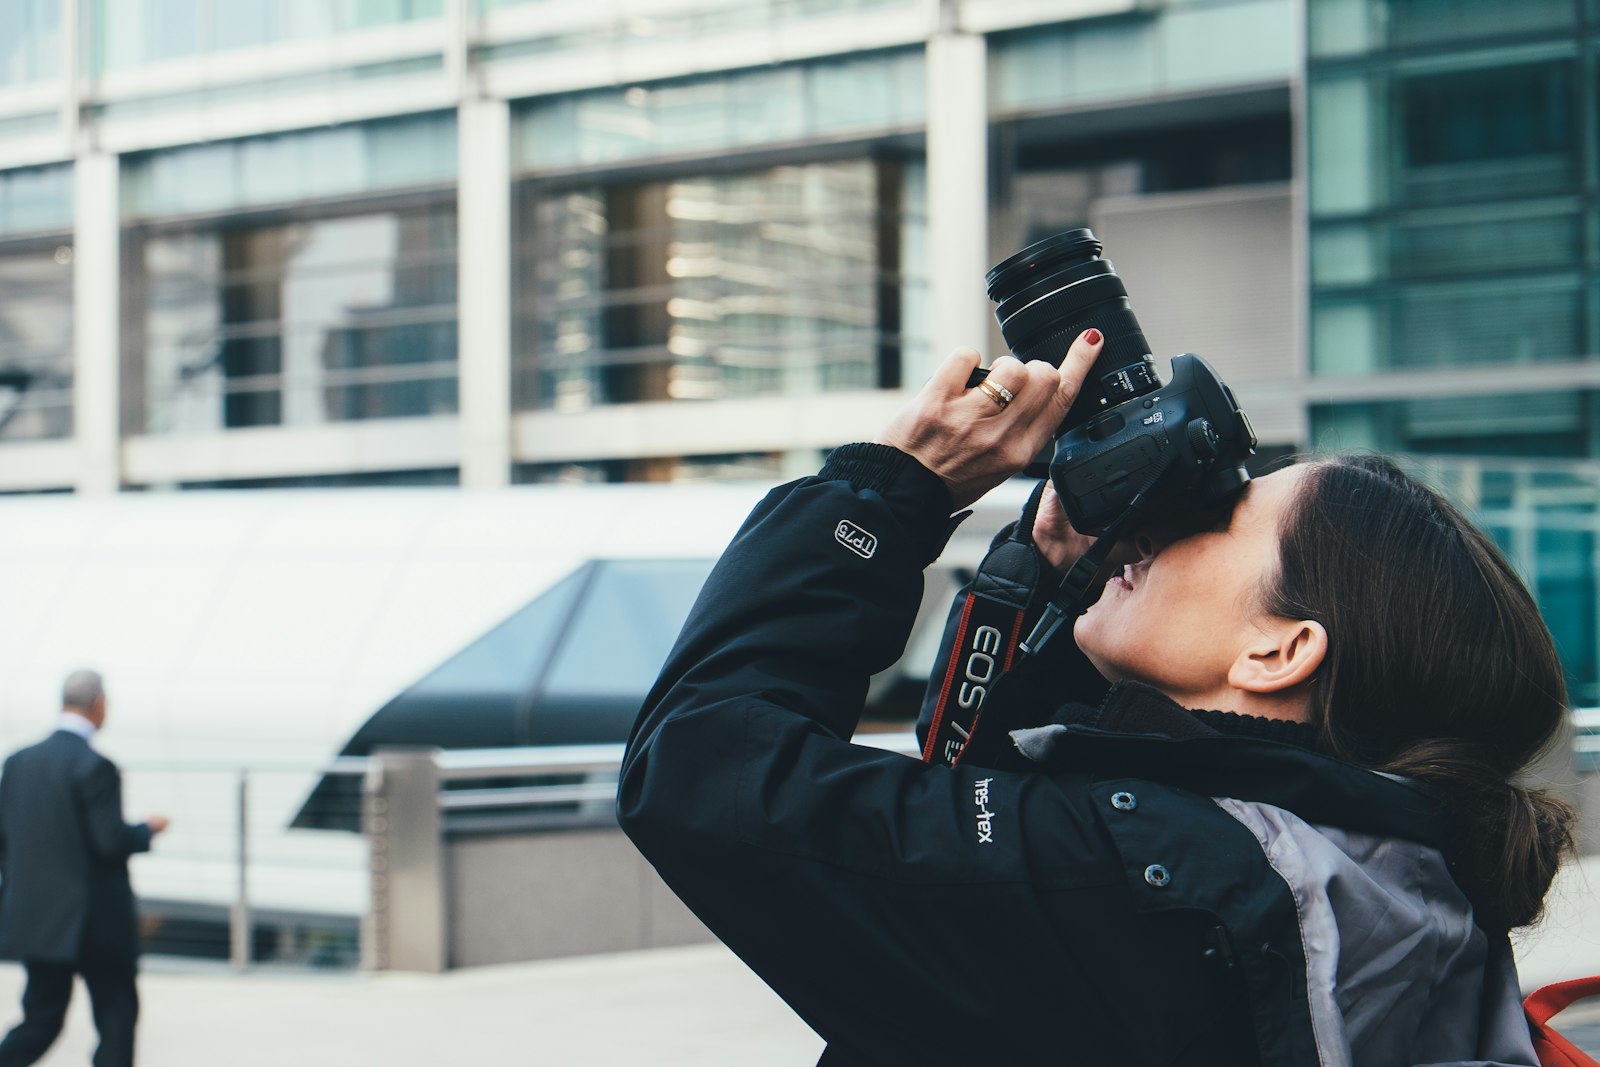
[[913, 492], [904, 483]]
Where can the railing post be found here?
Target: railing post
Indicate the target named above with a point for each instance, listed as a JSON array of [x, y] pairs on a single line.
[[239, 914], [406, 927]]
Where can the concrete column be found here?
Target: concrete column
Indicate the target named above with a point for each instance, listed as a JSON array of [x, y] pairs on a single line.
[[405, 926], [484, 302], [96, 315], [958, 195]]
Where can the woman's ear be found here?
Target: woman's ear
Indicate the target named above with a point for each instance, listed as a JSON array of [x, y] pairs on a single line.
[[1287, 654]]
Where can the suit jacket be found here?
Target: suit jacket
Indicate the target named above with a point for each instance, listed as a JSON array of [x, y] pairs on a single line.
[[64, 848]]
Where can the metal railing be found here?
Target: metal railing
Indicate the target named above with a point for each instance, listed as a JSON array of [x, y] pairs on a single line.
[[230, 879]]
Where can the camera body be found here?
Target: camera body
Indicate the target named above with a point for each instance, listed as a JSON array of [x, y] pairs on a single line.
[[1180, 447], [1171, 451]]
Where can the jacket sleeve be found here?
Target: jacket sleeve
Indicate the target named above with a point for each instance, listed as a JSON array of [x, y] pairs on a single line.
[[111, 839], [842, 874]]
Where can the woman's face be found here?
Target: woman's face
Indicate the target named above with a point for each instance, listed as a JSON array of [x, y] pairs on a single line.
[[1178, 619]]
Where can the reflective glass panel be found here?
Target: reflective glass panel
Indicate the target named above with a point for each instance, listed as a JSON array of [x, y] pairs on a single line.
[[36, 200], [285, 168], [30, 41], [131, 33], [882, 91], [35, 340], [782, 281], [320, 320], [1481, 134], [1529, 424]]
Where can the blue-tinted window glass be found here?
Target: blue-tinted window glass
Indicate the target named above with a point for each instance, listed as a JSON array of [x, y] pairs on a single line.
[[1531, 424], [1482, 134], [36, 200], [131, 33], [744, 109], [324, 320], [30, 41], [35, 340], [1565, 588], [292, 167], [1488, 324], [782, 281], [630, 615], [1413, 22]]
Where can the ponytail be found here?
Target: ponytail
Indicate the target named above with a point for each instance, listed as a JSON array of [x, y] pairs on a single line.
[[1507, 841], [1439, 669]]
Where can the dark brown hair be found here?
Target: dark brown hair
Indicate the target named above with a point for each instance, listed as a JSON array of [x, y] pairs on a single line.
[[1439, 668]]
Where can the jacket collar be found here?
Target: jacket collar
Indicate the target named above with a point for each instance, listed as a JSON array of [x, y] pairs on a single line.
[[1140, 732]]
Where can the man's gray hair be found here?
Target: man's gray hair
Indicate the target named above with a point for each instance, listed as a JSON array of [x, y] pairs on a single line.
[[81, 689]]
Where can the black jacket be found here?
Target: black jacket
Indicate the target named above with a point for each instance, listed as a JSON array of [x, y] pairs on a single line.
[[916, 914], [64, 848]]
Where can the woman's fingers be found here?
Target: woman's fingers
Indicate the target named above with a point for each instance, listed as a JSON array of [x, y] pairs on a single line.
[[950, 377], [1075, 367]]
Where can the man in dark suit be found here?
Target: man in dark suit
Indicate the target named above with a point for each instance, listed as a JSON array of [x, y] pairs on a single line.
[[66, 905]]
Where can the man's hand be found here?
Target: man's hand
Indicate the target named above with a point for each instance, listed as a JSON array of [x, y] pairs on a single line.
[[973, 442], [157, 823]]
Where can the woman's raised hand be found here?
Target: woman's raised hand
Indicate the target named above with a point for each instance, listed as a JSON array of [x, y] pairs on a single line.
[[975, 439]]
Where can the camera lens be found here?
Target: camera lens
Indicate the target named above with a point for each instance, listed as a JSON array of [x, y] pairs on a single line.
[[1049, 293]]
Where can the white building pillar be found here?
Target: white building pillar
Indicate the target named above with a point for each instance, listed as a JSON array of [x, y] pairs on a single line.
[[958, 195], [96, 316], [484, 291]]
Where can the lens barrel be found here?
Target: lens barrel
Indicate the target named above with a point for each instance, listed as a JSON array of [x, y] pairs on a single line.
[[1049, 293]]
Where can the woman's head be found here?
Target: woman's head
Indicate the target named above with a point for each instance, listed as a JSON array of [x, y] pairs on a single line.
[[1370, 607], [1431, 632], [1439, 667], [1190, 617]]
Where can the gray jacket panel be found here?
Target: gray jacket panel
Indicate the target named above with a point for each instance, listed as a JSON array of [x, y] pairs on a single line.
[[1398, 973]]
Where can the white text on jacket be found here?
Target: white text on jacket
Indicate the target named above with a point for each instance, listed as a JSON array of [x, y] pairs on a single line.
[[980, 797]]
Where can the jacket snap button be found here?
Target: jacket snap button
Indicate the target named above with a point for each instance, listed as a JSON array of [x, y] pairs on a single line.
[[1124, 801], [1157, 875]]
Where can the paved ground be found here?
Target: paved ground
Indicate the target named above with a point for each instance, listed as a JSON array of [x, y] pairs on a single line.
[[694, 1007]]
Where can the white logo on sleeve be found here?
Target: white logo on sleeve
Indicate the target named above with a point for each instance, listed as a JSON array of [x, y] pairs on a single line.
[[980, 799], [855, 539]]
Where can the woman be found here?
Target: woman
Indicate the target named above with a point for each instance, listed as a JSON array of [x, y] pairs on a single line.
[[1199, 865]]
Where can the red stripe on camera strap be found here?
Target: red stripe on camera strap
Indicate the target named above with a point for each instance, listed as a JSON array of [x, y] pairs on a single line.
[[982, 650]]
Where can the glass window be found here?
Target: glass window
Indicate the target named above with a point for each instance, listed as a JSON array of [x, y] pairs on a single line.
[[1502, 321], [1345, 164], [1173, 47], [36, 340], [292, 167], [773, 282], [30, 41], [1529, 424], [870, 93], [1415, 22], [130, 33], [1485, 134], [36, 200], [733, 467], [322, 320]]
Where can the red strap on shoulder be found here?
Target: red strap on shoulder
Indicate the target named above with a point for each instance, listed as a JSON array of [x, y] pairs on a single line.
[[1543, 1003]]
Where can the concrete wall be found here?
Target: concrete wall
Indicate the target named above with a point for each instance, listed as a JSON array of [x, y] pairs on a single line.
[[526, 896]]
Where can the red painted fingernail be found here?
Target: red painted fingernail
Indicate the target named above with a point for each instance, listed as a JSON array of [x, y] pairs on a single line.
[[1091, 336]]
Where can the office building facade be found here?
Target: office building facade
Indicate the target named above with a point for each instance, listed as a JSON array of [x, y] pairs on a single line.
[[1454, 295], [482, 242]]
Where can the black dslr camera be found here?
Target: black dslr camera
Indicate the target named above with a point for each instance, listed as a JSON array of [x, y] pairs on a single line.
[[1129, 446]]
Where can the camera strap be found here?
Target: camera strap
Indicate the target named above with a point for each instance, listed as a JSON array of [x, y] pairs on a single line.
[[986, 636], [986, 644]]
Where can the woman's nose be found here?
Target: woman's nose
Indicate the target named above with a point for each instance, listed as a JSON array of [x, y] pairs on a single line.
[[1147, 546]]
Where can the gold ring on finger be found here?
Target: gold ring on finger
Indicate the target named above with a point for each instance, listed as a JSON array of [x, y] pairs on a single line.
[[998, 393]]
